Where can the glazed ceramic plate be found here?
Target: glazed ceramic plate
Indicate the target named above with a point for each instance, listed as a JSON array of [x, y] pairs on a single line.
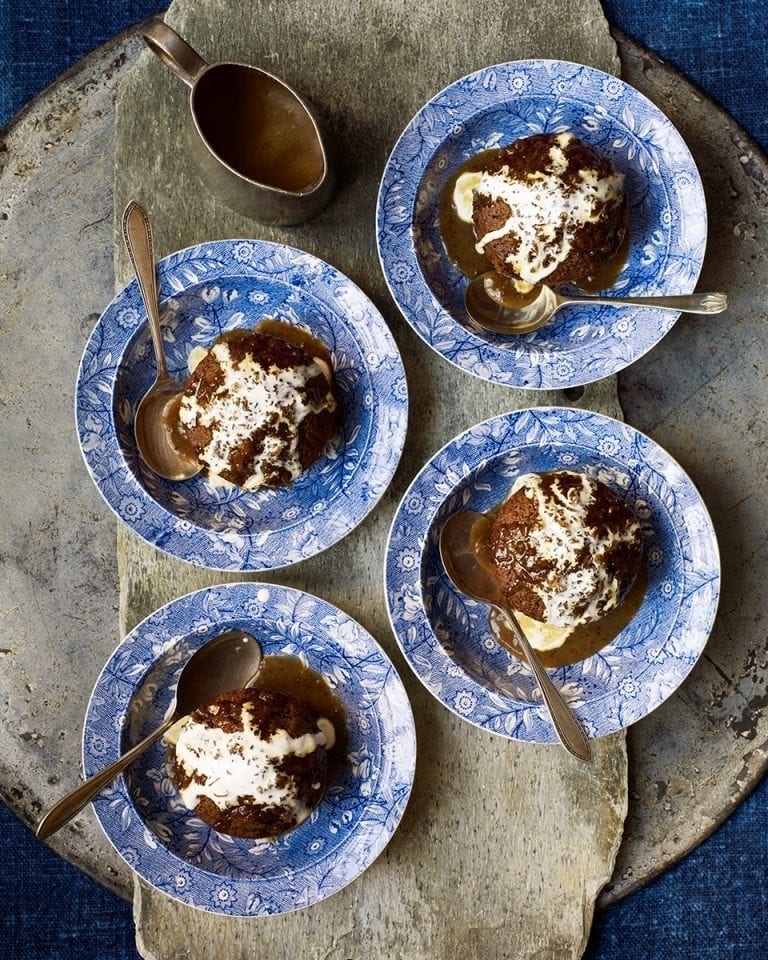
[[204, 291], [142, 813], [445, 636], [491, 108]]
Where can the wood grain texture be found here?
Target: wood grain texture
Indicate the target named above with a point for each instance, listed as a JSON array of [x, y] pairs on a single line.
[[528, 835], [702, 395], [58, 576]]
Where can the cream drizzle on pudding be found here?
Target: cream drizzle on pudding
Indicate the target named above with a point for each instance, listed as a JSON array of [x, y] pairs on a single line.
[[466, 251], [260, 405], [567, 554]]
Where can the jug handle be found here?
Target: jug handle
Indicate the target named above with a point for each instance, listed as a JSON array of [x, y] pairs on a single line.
[[173, 50]]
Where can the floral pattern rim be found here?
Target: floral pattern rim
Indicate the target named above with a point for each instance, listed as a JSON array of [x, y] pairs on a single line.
[[446, 637], [142, 814], [492, 107], [205, 291]]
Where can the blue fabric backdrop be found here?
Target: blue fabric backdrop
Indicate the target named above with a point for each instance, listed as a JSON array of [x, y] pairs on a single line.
[[713, 905]]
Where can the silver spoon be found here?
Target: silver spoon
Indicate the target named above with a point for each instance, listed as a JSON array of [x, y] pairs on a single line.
[[228, 662], [462, 566], [155, 440], [492, 304]]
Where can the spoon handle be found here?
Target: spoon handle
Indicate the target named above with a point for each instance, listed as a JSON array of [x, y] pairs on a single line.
[[137, 236], [567, 727], [690, 303], [63, 810]]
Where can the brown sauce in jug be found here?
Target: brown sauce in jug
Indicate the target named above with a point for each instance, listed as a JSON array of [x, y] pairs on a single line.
[[258, 127], [586, 639]]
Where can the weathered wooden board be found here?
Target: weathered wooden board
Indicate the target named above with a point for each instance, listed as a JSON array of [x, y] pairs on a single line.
[[691, 762], [487, 816], [58, 575], [702, 394]]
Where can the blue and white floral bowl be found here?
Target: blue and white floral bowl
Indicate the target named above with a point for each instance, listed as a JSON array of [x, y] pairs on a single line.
[[142, 813], [445, 636], [204, 291], [491, 108]]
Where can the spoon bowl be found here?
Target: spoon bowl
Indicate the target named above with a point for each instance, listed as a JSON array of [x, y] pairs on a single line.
[[494, 304], [227, 662], [474, 580], [460, 560], [158, 441]]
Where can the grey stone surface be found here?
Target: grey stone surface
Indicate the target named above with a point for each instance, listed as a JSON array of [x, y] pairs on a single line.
[[691, 762], [58, 577], [447, 887], [368, 68], [702, 395]]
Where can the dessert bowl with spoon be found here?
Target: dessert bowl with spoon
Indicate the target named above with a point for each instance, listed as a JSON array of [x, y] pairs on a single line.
[[496, 106], [473, 580], [227, 662], [226, 528], [311, 650]]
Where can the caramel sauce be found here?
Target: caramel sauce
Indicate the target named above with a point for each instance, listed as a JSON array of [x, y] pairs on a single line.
[[480, 540], [503, 290], [277, 145], [169, 421], [609, 272], [459, 239], [285, 331], [585, 639], [286, 674], [458, 236]]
